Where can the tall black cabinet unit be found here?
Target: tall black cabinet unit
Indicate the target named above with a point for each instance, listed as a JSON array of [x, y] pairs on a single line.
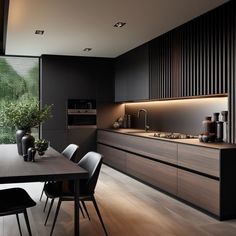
[[132, 75], [67, 77]]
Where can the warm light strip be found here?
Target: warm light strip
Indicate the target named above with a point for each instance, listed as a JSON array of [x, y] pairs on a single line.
[[197, 99]]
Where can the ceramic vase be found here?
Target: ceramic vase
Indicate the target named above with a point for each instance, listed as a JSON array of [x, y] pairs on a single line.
[[19, 135], [27, 142]]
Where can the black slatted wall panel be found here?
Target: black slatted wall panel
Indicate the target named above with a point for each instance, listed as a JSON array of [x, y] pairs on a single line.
[[176, 62], [204, 55], [160, 68], [231, 67], [194, 57], [198, 59]]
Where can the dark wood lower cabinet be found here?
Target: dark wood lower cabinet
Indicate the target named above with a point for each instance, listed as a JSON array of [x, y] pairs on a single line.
[[152, 172], [202, 159], [199, 190], [201, 174], [113, 157], [156, 149]]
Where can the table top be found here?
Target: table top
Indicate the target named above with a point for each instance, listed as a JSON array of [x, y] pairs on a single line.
[[51, 166]]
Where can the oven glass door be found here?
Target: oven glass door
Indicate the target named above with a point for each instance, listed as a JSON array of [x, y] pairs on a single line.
[[79, 119]]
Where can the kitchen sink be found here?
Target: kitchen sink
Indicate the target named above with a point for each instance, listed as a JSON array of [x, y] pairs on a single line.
[[136, 131], [131, 131]]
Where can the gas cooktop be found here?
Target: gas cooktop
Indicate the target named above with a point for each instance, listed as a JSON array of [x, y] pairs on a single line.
[[173, 135]]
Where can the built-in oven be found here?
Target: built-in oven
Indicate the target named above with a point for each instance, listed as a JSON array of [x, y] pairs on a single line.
[[81, 112]]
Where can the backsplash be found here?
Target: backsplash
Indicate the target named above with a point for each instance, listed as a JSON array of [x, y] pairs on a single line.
[[184, 116]]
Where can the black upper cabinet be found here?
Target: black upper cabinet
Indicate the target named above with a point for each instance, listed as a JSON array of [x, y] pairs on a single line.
[[104, 77], [160, 67], [132, 75], [192, 59], [204, 55]]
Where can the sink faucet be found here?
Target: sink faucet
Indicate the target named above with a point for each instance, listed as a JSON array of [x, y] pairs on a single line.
[[145, 118]]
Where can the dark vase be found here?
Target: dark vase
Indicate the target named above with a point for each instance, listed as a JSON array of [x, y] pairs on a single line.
[[215, 120], [219, 133], [208, 125], [31, 153], [19, 135], [27, 142]]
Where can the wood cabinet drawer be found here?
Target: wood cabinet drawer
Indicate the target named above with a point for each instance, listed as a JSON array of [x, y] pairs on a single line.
[[113, 157], [199, 190], [160, 150], [152, 172], [205, 160], [112, 138]]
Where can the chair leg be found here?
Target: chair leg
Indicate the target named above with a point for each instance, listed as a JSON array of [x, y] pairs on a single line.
[[81, 209], [85, 208], [99, 215], [56, 214], [27, 222], [50, 208], [45, 204], [18, 222], [42, 192]]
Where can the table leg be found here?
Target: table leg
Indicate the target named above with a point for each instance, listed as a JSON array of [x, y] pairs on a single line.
[[76, 207]]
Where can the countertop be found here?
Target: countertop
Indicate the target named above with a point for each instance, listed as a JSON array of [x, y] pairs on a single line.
[[189, 141]]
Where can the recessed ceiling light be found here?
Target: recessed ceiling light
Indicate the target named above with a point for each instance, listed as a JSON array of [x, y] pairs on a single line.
[[87, 49], [119, 24], [40, 32]]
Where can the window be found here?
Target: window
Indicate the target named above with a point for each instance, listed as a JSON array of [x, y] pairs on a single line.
[[19, 79]]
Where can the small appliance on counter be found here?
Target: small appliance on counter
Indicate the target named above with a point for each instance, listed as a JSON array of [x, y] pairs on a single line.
[[122, 122]]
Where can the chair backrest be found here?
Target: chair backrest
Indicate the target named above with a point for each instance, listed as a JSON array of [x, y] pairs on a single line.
[[70, 151], [91, 162]]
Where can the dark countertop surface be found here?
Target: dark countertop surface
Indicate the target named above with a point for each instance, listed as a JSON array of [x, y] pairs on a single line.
[[189, 141]]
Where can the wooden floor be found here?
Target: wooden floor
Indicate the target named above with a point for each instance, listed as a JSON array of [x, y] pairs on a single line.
[[128, 207]]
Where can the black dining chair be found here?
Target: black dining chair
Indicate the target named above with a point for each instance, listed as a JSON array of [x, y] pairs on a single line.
[[69, 152], [14, 201], [91, 162]]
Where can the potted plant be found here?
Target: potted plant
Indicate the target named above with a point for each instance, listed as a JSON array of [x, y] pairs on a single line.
[[24, 115], [41, 145]]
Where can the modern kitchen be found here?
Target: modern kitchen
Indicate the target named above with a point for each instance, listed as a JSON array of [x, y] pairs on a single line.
[[157, 101]]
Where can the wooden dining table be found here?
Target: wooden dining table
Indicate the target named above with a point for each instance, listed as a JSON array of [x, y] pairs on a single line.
[[50, 167]]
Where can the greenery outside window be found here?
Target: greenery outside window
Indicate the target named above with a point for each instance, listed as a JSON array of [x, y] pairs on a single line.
[[19, 80]]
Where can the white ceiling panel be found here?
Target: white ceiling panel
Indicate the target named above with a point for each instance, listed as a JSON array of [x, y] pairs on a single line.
[[72, 25]]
